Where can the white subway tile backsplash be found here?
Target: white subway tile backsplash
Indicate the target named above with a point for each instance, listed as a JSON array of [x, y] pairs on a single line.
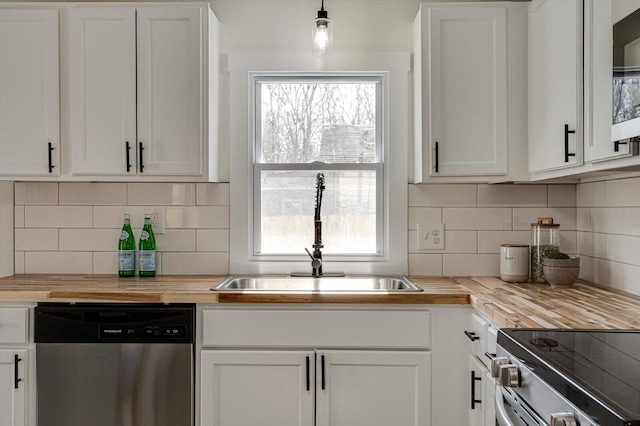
[[477, 219], [524, 217], [591, 244], [442, 195], [424, 215], [105, 262], [623, 193], [583, 219], [631, 221], [57, 216], [18, 260], [18, 217], [199, 263], [590, 194], [92, 193], [36, 239], [113, 216], [457, 265], [455, 242], [568, 242], [512, 195], [58, 262], [197, 217], [423, 265], [155, 194], [36, 193], [212, 240], [561, 195], [490, 241], [607, 220], [212, 194], [90, 239], [630, 279], [606, 272], [177, 240]]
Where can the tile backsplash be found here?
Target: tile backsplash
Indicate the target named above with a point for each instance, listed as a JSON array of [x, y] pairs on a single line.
[[478, 218], [608, 233], [70, 227], [73, 227]]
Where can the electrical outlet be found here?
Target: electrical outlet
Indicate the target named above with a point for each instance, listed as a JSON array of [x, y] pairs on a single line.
[[430, 236], [157, 219]]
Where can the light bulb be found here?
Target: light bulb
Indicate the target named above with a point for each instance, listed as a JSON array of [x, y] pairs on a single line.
[[322, 35]]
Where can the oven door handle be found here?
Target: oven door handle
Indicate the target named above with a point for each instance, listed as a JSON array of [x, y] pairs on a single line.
[[501, 414]]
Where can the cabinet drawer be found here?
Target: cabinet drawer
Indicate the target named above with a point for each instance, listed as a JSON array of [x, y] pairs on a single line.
[[316, 328], [478, 332], [14, 325]]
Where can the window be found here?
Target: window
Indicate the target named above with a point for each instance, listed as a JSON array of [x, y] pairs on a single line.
[[310, 124]]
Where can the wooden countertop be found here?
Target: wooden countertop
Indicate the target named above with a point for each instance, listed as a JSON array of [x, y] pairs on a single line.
[[508, 305]]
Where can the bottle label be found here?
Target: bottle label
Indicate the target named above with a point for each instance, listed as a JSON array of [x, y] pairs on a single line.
[[147, 260], [144, 236], [124, 235], [126, 260]]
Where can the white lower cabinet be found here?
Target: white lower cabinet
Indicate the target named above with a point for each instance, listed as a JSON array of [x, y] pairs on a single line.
[[297, 388], [13, 383], [317, 366], [477, 397]]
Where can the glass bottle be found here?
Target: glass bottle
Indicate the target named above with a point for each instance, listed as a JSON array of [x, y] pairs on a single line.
[[126, 250], [545, 239], [147, 250]]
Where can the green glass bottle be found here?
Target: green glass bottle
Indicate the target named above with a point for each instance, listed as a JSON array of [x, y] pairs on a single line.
[[126, 250], [147, 250]]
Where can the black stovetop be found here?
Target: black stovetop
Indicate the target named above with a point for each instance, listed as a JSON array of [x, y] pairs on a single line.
[[597, 370]]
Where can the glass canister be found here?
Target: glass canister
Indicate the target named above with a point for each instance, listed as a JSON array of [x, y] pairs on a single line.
[[545, 239]]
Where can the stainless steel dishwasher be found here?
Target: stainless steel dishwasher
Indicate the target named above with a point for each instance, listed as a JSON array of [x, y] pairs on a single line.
[[115, 364]]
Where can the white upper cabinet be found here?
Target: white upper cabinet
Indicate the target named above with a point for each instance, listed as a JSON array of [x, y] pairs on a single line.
[[140, 98], [29, 93], [103, 91], [468, 69], [555, 80]]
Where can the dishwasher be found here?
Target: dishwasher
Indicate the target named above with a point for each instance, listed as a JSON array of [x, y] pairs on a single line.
[[114, 364]]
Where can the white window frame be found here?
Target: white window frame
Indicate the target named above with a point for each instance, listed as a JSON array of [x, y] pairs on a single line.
[[379, 167]]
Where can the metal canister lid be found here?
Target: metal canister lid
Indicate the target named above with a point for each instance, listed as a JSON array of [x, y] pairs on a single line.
[[545, 222]]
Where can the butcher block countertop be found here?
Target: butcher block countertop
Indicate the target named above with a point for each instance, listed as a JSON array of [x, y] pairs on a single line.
[[508, 305]]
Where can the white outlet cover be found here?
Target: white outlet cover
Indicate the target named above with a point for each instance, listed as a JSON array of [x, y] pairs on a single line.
[[430, 236], [157, 225]]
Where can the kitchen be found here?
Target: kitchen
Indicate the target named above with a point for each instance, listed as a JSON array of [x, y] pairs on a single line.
[[67, 227]]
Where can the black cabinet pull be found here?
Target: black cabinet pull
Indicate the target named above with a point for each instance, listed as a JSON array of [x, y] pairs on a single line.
[[471, 335], [490, 355], [567, 154], [437, 154], [127, 153], [16, 379], [323, 384], [51, 148], [308, 377], [474, 401], [141, 162]]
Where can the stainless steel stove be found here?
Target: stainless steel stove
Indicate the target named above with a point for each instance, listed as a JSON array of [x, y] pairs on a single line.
[[567, 377]]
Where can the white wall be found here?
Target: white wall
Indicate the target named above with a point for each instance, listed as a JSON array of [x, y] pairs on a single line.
[[6, 229]]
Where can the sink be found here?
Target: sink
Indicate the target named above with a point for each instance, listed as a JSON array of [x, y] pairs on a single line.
[[286, 283]]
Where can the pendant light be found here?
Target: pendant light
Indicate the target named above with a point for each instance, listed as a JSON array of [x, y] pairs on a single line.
[[322, 34]]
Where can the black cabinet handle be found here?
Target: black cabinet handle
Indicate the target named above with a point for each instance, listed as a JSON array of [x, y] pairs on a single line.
[[437, 159], [128, 148], [490, 355], [308, 376], [323, 383], [471, 335], [474, 401], [50, 156], [567, 154], [16, 379], [141, 162]]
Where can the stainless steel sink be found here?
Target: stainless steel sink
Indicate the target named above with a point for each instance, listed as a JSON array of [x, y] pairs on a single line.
[[285, 283]]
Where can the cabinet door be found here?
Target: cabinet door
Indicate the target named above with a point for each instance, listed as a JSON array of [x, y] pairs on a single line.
[[477, 400], [12, 392], [103, 91], [468, 90], [369, 388], [29, 93], [555, 80], [170, 91], [266, 388]]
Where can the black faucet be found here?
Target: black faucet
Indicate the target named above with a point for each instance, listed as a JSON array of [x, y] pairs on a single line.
[[316, 257]]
